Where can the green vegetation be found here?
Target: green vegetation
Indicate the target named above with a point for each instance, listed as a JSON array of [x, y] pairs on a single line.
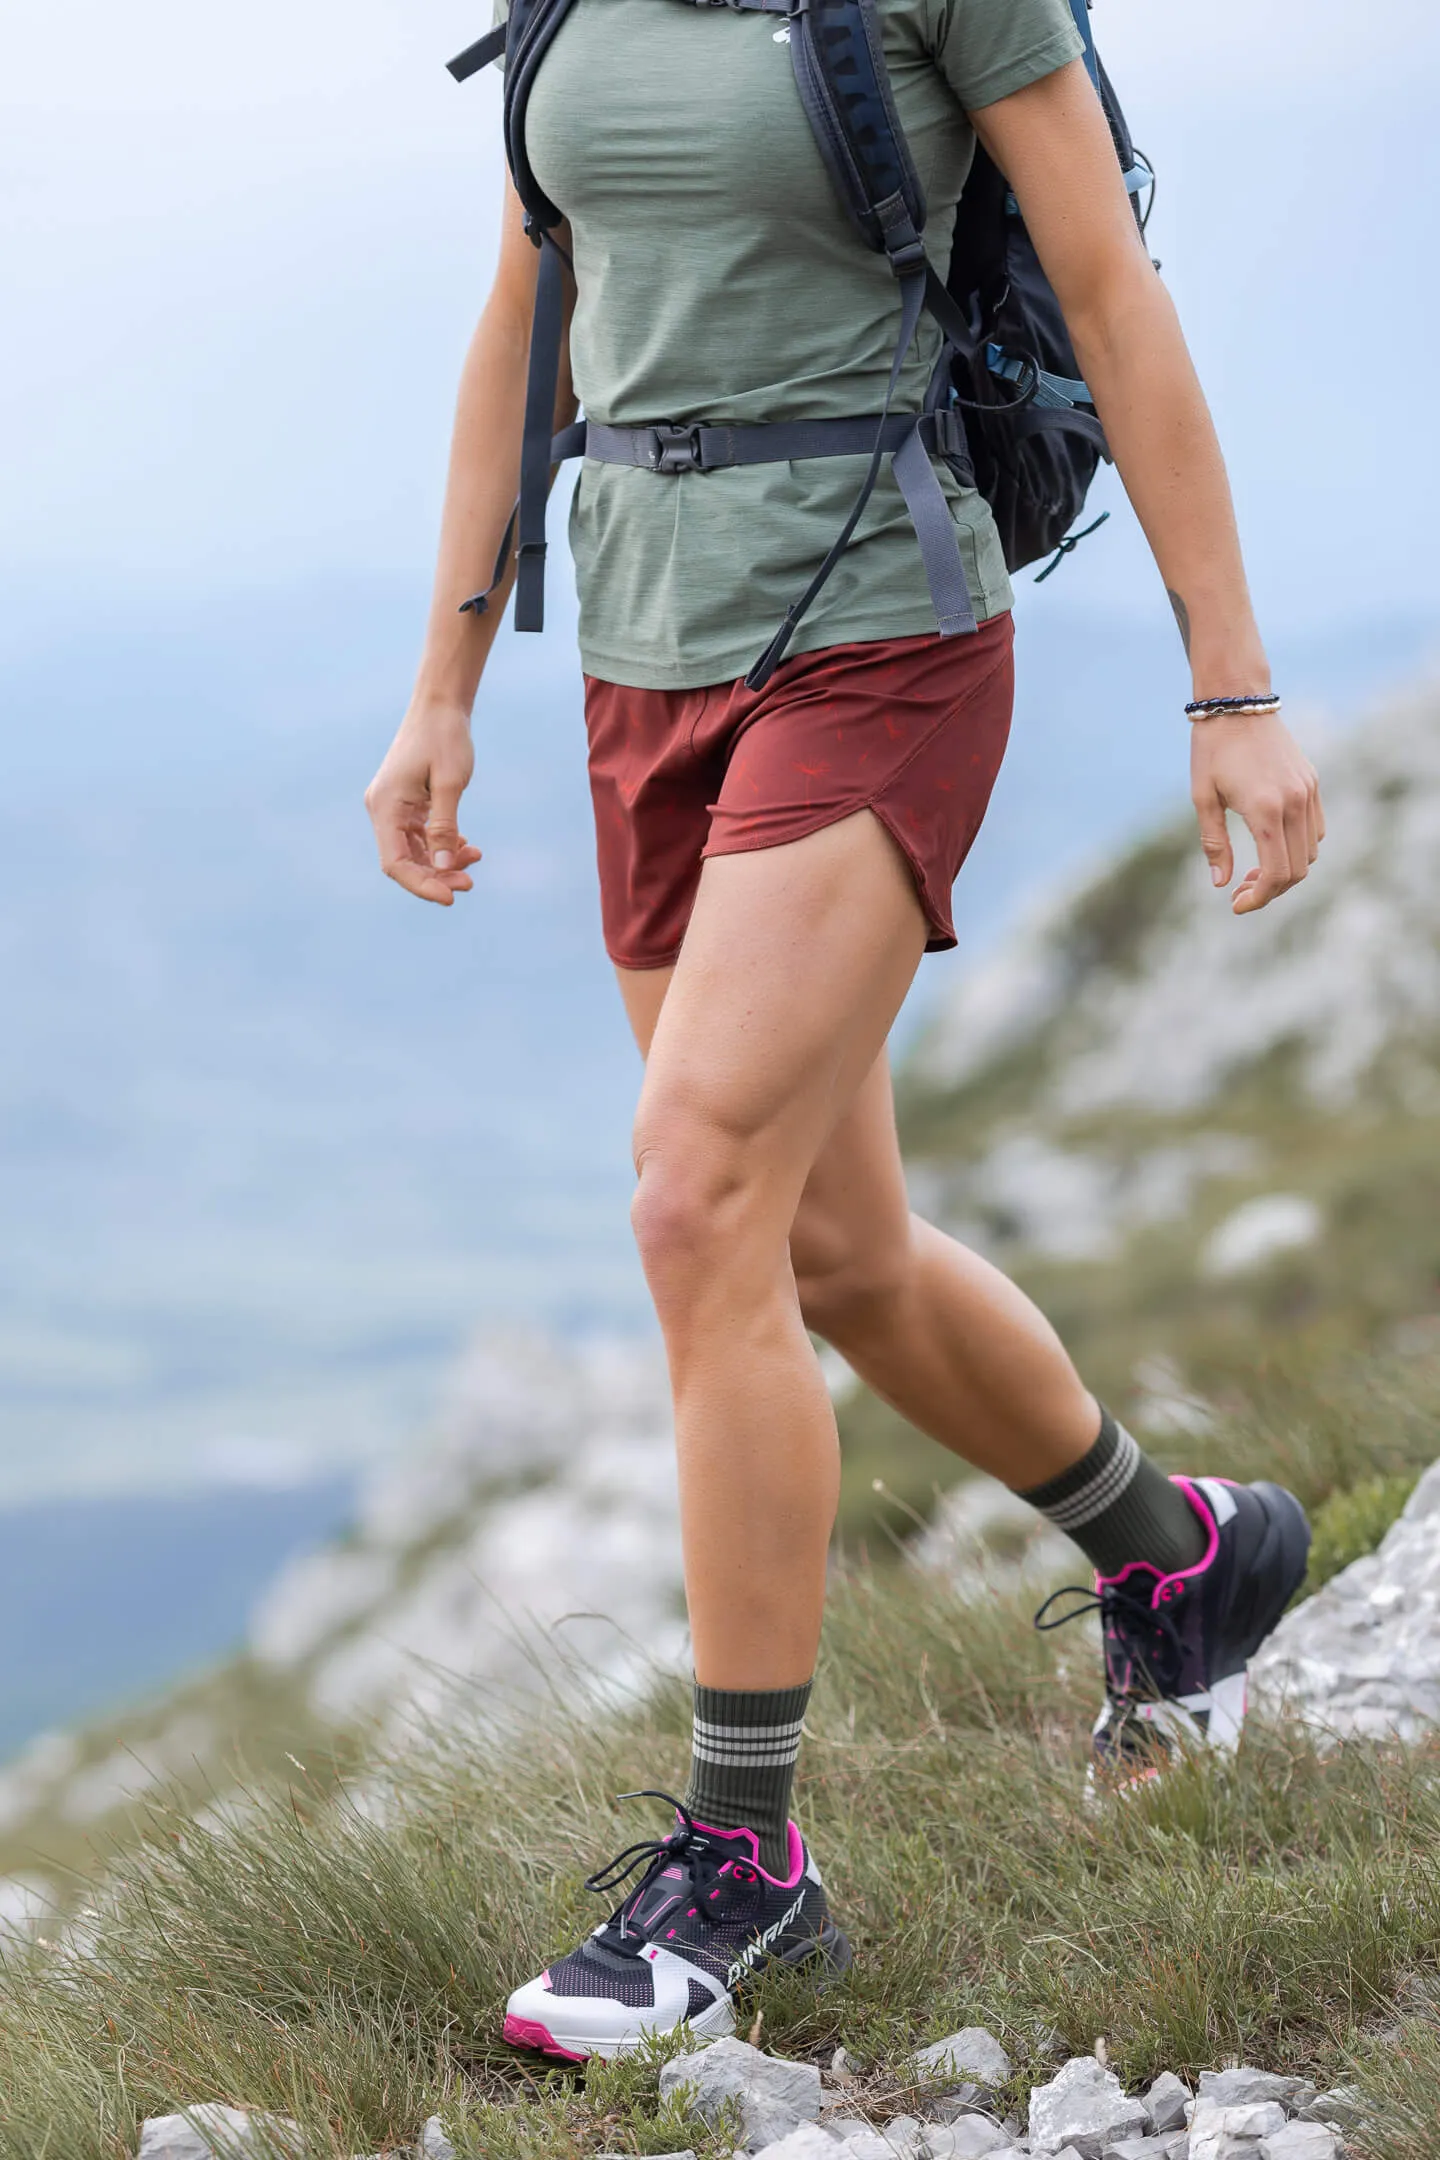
[[345, 1963], [1350, 1524]]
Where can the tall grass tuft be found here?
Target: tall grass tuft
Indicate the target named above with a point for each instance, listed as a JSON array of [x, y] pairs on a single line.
[[346, 1963]]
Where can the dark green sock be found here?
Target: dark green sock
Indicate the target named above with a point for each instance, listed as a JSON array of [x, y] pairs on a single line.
[[742, 1763], [1119, 1507]]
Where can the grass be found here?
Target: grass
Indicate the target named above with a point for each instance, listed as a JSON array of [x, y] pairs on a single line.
[[346, 1964]]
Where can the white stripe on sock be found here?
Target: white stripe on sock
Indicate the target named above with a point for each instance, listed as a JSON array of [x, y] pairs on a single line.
[[715, 1731], [751, 1758], [1102, 1492]]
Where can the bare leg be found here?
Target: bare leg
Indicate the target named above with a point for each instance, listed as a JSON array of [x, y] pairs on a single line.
[[795, 963], [936, 1331]]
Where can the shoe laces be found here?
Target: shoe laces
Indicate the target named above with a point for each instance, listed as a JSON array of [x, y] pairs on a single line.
[[1147, 1634], [687, 1844]]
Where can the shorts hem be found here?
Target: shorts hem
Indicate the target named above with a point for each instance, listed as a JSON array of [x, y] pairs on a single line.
[[941, 926]]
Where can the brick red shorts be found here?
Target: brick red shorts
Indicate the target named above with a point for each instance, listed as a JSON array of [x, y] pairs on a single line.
[[912, 728]]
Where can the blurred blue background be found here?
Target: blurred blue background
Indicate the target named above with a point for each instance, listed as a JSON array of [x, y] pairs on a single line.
[[274, 1138]]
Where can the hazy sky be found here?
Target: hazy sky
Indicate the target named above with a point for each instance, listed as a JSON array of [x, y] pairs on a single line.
[[241, 253]]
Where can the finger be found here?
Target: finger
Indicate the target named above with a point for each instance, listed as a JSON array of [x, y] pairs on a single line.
[[404, 856], [1319, 806], [442, 827], [1215, 837], [1267, 829], [1312, 823], [1297, 835], [418, 878]]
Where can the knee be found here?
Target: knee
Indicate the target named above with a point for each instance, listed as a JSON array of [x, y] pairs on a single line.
[[848, 1284], [694, 1211]]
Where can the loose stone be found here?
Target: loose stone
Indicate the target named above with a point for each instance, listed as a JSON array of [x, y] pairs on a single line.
[[1301, 2141], [774, 2096], [1237, 2088], [1167, 2100], [1086, 2107], [214, 2132], [971, 2053]]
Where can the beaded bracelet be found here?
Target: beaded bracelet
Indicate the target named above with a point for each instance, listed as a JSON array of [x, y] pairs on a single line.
[[1207, 708]]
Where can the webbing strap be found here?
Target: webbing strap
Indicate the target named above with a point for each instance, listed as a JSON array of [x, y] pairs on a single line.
[[542, 382], [478, 55], [669, 449], [935, 530], [912, 298]]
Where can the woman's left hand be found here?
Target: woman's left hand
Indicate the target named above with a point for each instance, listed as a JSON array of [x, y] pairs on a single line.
[[1252, 764]]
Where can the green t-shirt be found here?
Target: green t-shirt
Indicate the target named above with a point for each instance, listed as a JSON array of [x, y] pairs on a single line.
[[719, 279]]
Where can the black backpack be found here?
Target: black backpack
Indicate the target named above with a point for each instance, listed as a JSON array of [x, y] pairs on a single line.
[[1005, 409]]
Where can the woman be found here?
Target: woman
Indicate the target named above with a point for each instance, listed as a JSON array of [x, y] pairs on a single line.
[[774, 862]]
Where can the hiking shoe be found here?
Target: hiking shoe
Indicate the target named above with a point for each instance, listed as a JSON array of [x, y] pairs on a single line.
[[1176, 1646], [704, 1919]]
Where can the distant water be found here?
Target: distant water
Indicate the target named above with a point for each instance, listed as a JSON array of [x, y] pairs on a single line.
[[102, 1600], [274, 1137]]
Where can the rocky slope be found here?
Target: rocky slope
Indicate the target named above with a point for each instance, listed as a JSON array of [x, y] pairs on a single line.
[[1197, 1139], [1202, 1138]]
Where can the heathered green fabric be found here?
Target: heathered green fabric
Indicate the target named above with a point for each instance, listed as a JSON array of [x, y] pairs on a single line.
[[719, 279]]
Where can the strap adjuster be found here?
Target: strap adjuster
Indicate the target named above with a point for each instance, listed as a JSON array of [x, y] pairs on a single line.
[[947, 432], [675, 449]]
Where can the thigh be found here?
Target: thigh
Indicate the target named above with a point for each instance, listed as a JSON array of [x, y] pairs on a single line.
[[795, 963]]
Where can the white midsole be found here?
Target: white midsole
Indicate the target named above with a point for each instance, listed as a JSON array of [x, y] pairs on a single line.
[[714, 2023]]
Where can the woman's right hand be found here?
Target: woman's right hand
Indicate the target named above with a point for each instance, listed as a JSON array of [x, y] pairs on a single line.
[[414, 804]]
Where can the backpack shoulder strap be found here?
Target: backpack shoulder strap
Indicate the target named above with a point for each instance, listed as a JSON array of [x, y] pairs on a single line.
[[839, 62]]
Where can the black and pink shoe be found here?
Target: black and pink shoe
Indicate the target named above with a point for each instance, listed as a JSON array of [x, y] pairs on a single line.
[[1177, 1646], [705, 1918]]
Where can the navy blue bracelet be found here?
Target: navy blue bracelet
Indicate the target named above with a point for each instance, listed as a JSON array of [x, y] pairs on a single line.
[[1207, 708]]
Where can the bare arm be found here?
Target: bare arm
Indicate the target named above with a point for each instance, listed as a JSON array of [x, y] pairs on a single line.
[[414, 799], [1052, 142]]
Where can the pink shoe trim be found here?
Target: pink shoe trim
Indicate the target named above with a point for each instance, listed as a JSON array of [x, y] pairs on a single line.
[[1206, 1514], [529, 2032], [797, 1852]]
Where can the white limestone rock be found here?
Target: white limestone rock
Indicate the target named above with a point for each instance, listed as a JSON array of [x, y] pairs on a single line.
[[774, 2096], [814, 2143], [1167, 2101], [973, 2053], [970, 2137], [1362, 1657], [1084, 2106], [1239, 2088], [1341, 2106], [1232, 2133], [1301, 2141], [212, 2131], [434, 2145]]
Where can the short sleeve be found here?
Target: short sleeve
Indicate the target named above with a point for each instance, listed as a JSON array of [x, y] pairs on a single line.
[[989, 49], [499, 14]]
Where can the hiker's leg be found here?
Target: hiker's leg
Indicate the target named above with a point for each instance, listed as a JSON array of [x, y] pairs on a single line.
[[795, 963], [938, 1332], [953, 1345]]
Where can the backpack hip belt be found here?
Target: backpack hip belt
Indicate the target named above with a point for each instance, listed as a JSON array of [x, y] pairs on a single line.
[[668, 448]]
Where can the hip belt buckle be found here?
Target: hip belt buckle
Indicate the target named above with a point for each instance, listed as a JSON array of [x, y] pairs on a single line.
[[676, 449]]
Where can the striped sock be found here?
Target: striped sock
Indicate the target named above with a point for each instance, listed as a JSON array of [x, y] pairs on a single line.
[[1119, 1507], [742, 1763]]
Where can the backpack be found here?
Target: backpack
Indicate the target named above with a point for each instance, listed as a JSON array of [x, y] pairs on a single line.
[[1005, 409]]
